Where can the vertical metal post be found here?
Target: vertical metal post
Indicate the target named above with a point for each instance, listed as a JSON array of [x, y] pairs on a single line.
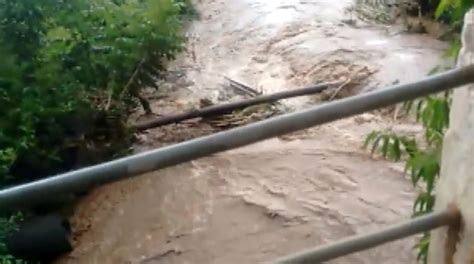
[[455, 245]]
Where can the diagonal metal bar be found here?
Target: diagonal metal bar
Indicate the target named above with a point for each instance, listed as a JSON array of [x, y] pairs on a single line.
[[87, 178], [355, 244]]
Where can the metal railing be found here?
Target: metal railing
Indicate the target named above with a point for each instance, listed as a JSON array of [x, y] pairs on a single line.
[[87, 178], [47, 189], [358, 243]]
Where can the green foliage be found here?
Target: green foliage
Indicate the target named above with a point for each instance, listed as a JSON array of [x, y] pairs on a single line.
[[187, 8], [423, 247], [391, 145], [452, 13], [455, 9], [8, 225], [71, 71], [422, 160], [454, 48]]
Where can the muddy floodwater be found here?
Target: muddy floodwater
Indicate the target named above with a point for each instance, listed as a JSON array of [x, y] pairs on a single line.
[[256, 203]]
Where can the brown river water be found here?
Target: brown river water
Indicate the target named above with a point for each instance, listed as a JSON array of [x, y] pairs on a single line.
[[256, 203]]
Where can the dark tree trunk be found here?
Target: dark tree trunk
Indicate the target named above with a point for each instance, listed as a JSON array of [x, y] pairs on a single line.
[[229, 107]]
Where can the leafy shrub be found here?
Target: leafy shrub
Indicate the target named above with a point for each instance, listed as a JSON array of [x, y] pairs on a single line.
[[455, 9], [8, 225], [448, 10], [71, 72], [452, 12], [422, 160], [187, 8]]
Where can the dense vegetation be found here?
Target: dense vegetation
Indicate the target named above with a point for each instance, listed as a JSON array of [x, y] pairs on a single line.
[[8, 225], [71, 72], [422, 159], [453, 9]]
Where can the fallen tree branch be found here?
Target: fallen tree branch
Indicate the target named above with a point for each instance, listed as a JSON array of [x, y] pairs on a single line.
[[132, 78], [229, 107], [340, 88], [243, 88]]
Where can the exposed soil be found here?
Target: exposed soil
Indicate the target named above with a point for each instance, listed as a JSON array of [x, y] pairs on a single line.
[[263, 201]]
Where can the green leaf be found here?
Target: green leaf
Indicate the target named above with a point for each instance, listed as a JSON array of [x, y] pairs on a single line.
[[385, 145], [443, 7], [419, 108], [407, 106], [396, 150], [423, 247], [370, 138], [58, 33], [434, 70], [376, 143]]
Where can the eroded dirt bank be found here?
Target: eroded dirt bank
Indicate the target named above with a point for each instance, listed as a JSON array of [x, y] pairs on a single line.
[[266, 200]]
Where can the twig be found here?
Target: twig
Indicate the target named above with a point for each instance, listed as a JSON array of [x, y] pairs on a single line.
[[340, 88], [132, 78], [242, 87], [354, 77], [193, 51], [109, 101], [396, 111], [159, 256]]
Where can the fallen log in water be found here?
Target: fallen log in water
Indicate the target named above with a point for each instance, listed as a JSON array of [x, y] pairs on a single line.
[[229, 107], [242, 88]]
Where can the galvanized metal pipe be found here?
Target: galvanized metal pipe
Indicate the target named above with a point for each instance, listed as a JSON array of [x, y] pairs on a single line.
[[87, 178], [359, 243]]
